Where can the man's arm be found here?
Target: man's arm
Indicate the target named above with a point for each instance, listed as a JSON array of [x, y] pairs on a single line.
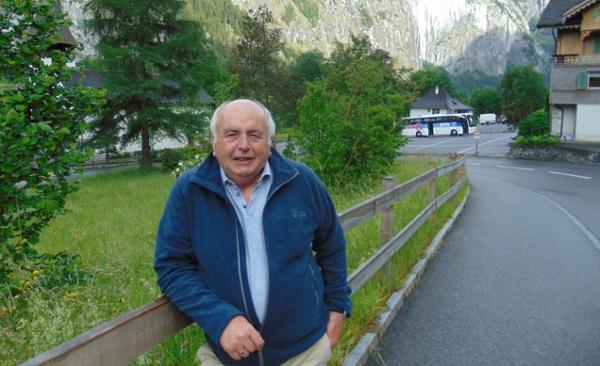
[[177, 270], [334, 328]]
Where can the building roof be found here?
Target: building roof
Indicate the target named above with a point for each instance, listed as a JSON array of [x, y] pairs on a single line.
[[64, 32], [560, 12], [439, 98], [95, 79]]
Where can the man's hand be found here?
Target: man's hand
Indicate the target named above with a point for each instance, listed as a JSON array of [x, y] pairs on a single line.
[[334, 328], [239, 338]]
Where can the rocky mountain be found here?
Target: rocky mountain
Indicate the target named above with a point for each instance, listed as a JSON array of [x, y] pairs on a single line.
[[460, 35]]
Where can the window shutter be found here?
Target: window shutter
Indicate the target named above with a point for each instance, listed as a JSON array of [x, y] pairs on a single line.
[[582, 80]]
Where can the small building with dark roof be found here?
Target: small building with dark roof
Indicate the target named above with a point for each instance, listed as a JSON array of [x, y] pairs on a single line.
[[438, 101]]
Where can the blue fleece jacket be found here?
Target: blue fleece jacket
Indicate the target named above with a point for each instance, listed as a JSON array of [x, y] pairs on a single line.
[[201, 265]]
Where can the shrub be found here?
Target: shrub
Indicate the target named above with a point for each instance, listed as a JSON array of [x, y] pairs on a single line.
[[536, 124], [171, 158], [543, 140]]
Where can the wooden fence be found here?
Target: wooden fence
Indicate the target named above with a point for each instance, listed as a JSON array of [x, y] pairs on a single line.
[[125, 338]]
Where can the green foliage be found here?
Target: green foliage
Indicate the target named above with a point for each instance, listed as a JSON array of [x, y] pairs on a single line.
[[365, 17], [431, 76], [310, 10], [221, 19], [534, 129], [170, 159], [289, 14], [156, 64], [536, 124], [486, 100], [41, 120], [539, 140], [471, 81], [523, 91], [41, 271], [308, 66], [346, 130], [192, 156], [256, 60]]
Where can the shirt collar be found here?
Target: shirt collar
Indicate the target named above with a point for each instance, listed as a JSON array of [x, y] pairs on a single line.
[[266, 173]]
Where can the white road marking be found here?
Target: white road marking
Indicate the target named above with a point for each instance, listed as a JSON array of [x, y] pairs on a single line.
[[514, 167], [485, 143], [578, 223], [570, 175], [426, 146]]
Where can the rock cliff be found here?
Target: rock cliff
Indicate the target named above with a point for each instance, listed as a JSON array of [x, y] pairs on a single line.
[[460, 35]]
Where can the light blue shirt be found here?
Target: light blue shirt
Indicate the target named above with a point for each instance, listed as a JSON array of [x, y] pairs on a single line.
[[251, 217]]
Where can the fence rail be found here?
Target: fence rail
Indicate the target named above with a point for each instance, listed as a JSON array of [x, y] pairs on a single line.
[[125, 338]]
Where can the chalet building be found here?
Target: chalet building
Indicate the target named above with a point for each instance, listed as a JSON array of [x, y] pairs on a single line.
[[575, 77], [438, 101], [66, 37]]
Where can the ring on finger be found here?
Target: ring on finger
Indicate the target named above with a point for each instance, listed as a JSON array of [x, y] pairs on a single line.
[[242, 352]]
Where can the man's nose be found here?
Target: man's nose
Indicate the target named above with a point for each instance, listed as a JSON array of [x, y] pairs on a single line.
[[243, 142]]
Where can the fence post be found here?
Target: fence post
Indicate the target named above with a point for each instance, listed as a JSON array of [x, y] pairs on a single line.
[[453, 158], [387, 228], [453, 174], [431, 186], [431, 191]]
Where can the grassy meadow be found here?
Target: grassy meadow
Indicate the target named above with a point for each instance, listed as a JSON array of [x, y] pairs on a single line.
[[112, 225]]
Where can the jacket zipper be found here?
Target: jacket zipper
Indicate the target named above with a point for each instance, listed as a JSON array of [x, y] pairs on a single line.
[[237, 237], [314, 278]]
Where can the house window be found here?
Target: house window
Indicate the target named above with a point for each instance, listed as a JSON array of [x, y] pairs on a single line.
[[594, 80], [587, 80], [435, 111]]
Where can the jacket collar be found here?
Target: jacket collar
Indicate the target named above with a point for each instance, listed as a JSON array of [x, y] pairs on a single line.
[[208, 174]]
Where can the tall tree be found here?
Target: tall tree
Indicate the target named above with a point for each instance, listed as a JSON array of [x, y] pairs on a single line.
[[307, 67], [486, 100], [156, 63], [256, 58], [40, 122], [347, 128], [523, 91], [431, 76]]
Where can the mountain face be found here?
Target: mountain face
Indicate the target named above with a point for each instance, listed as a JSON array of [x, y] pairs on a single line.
[[460, 35]]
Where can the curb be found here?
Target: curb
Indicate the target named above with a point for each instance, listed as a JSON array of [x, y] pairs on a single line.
[[360, 354]]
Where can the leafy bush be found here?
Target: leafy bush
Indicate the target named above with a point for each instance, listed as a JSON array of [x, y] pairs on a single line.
[[41, 121], [346, 130], [193, 156], [122, 155], [171, 158], [543, 140], [536, 124]]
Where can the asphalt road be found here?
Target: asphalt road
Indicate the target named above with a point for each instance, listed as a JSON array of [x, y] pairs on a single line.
[[517, 281], [493, 141]]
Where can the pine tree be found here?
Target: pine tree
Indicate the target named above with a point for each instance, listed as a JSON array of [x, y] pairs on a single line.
[[256, 58], [155, 64]]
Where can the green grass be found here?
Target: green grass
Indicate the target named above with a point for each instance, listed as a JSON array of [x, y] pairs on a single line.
[[112, 224]]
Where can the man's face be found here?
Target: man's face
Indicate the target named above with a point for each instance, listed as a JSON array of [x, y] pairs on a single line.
[[242, 143]]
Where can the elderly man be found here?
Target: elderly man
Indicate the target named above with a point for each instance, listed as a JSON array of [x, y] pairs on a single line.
[[251, 248]]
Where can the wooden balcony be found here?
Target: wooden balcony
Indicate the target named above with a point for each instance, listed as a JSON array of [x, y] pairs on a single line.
[[577, 59]]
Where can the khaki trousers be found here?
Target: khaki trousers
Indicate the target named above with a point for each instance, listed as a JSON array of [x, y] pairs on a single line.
[[317, 355]]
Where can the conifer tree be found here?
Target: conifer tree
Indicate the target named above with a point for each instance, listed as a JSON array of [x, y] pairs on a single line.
[[155, 64], [256, 58]]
